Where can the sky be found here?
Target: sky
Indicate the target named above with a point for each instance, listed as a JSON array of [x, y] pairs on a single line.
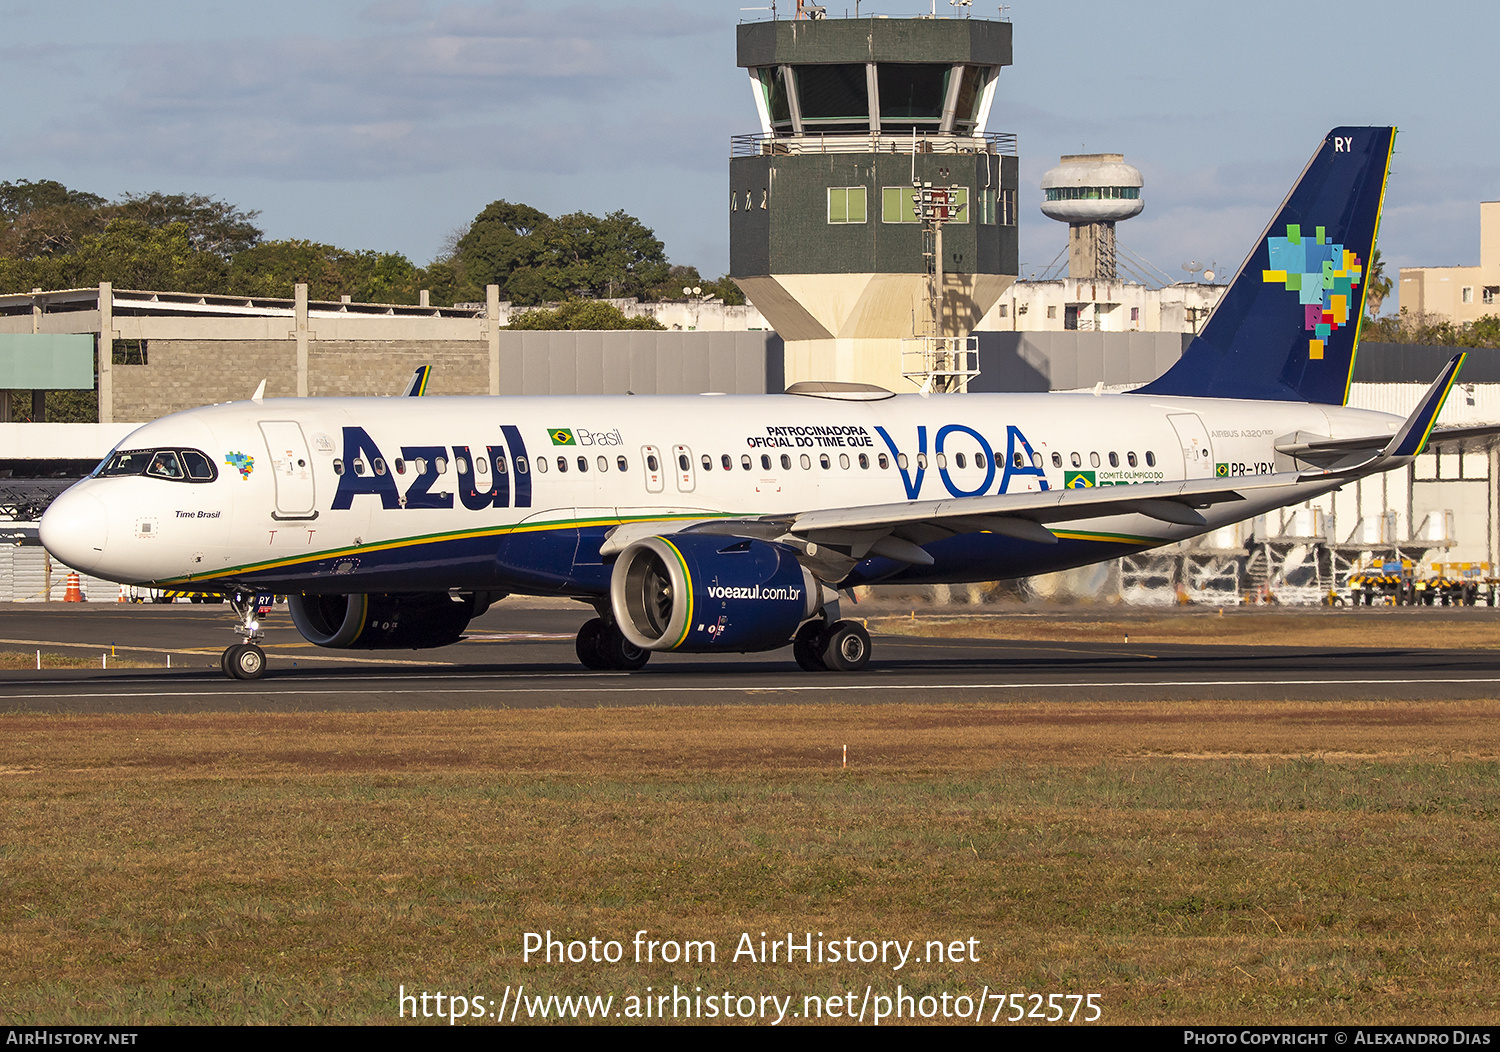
[[385, 125]]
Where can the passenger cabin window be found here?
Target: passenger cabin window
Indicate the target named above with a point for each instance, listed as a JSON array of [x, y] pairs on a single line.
[[786, 462], [652, 465], [521, 465], [765, 462], [583, 463], [885, 462], [1114, 460], [624, 465]]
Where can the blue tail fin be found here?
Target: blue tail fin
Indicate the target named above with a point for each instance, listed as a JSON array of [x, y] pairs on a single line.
[[1287, 328]]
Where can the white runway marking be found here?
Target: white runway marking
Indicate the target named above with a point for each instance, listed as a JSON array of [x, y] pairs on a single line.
[[290, 691]]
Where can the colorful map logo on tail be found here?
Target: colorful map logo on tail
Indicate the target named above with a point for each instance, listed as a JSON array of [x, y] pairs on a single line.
[[1324, 276]]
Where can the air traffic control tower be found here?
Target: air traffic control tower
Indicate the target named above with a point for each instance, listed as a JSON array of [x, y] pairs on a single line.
[[833, 230]]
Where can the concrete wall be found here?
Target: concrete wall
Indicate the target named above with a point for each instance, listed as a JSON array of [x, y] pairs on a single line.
[[184, 374]]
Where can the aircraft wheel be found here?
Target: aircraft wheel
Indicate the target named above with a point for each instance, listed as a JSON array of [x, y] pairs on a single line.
[[224, 660], [807, 647], [246, 661], [590, 644], [621, 653], [846, 647]]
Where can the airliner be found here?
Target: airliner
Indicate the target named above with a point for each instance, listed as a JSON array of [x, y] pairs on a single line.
[[726, 524]]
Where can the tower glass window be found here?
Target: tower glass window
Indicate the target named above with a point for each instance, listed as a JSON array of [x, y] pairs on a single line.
[[833, 98], [778, 103], [970, 94], [911, 94]]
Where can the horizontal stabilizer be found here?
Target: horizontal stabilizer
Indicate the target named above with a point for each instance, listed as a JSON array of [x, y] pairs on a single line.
[[1410, 439]]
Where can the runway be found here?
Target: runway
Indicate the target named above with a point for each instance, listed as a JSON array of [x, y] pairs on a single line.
[[522, 657]]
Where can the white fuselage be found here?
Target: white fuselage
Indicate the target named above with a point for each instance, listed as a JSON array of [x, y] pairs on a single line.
[[366, 494]]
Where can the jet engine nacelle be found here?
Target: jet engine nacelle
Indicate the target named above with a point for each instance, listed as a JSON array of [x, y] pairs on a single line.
[[381, 622], [701, 593]]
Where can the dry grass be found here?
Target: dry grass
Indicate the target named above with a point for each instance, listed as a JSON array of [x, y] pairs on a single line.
[[1301, 628], [17, 661], [1212, 862]]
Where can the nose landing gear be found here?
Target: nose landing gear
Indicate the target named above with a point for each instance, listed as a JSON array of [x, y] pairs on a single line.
[[245, 660]]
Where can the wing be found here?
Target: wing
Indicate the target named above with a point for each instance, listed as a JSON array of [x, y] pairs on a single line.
[[833, 540]]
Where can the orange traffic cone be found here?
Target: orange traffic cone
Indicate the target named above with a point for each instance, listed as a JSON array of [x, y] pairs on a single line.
[[75, 594], [123, 597]]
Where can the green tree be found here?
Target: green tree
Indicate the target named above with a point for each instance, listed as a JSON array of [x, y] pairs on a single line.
[[45, 218], [129, 254], [581, 314], [536, 259], [1421, 329], [132, 255], [1377, 285], [272, 268], [497, 244], [212, 225]]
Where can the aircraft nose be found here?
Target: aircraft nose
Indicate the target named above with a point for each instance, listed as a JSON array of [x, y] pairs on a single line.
[[74, 529]]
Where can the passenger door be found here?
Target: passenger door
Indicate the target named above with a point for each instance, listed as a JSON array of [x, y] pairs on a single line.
[[291, 464]]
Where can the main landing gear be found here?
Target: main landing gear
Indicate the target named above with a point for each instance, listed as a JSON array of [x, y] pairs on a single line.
[[601, 645], [245, 660], [843, 646]]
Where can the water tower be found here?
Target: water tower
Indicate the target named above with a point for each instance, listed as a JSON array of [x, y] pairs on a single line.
[[1091, 192], [830, 234]]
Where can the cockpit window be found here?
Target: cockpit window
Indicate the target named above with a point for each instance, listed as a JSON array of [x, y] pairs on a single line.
[[165, 465], [127, 462], [176, 465], [199, 467]]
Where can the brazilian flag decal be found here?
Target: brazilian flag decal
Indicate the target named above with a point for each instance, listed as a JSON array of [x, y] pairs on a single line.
[[1221, 471], [1078, 480], [562, 436]]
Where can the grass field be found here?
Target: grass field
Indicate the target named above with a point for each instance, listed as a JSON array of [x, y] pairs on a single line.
[[1216, 862], [1299, 627]]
